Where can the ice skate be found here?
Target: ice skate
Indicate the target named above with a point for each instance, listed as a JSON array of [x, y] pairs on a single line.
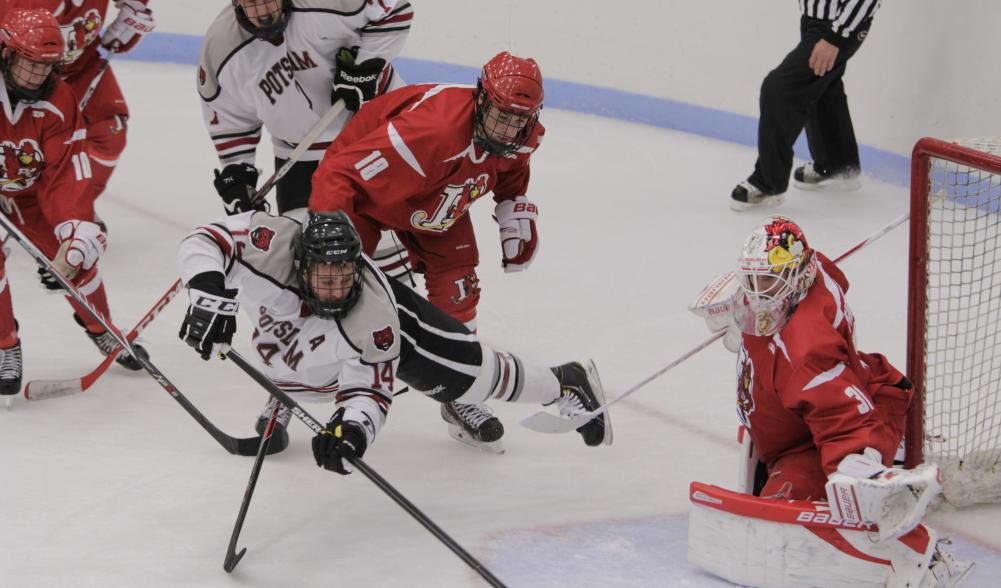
[[473, 424], [279, 436], [746, 196], [807, 177], [581, 392], [107, 343], [11, 368]]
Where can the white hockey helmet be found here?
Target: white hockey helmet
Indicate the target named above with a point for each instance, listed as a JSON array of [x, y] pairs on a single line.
[[775, 269]]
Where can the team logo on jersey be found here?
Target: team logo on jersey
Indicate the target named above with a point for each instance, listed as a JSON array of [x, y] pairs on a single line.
[[745, 383], [455, 200], [80, 33], [466, 286], [383, 338], [261, 238], [21, 164]]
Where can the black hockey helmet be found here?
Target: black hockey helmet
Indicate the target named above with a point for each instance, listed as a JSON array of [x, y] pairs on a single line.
[[326, 246], [272, 25]]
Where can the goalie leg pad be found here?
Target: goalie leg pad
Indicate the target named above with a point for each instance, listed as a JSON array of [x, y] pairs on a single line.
[[784, 543]]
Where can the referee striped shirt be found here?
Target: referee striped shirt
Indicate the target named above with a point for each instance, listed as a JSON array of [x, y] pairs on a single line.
[[845, 15]]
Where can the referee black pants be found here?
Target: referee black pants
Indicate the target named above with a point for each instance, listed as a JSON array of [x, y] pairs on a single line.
[[794, 98]]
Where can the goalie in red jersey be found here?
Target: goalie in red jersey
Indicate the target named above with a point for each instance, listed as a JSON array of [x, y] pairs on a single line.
[[43, 179], [823, 422], [415, 159]]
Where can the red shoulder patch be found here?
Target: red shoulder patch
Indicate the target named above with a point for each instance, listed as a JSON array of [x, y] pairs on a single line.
[[383, 338], [261, 238]]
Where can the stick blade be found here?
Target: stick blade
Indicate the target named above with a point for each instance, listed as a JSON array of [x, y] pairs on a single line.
[[45, 389], [545, 422], [232, 559]]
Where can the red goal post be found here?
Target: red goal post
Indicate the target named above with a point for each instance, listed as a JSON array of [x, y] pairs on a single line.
[[954, 315]]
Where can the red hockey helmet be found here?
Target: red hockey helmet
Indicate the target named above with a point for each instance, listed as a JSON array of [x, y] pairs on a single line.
[[31, 46], [509, 97]]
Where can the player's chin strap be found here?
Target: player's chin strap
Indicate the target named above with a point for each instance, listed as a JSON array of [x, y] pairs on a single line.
[[232, 444], [361, 466]]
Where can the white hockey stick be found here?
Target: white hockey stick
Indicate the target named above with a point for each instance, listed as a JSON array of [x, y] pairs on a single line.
[[89, 93], [544, 422]]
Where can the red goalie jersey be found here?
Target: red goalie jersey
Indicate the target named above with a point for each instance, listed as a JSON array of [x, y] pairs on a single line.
[[809, 397]]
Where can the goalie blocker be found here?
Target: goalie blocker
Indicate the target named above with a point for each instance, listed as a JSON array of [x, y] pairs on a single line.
[[754, 541]]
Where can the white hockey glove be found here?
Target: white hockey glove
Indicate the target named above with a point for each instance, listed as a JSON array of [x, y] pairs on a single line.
[[134, 20], [715, 304], [895, 500], [519, 237], [81, 243]]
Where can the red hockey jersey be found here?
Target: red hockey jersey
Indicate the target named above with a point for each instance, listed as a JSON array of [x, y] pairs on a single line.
[[809, 386], [42, 157], [408, 160]]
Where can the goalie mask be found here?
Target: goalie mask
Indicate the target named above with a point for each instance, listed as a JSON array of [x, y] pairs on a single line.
[[31, 48], [775, 270], [328, 264], [508, 100], [265, 19]]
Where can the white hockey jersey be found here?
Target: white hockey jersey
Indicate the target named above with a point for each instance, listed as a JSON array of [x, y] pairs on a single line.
[[286, 84], [353, 360]]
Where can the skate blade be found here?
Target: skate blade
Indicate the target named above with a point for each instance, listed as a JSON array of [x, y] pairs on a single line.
[[762, 202], [460, 435], [599, 393], [8, 402], [962, 570]]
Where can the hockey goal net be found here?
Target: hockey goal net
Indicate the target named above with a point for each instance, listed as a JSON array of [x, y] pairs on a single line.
[[954, 315]]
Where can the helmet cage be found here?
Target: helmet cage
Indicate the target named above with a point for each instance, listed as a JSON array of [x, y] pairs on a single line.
[[327, 238], [266, 32], [500, 131], [19, 70]]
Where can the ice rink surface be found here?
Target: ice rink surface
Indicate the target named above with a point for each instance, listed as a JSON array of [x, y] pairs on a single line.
[[120, 487]]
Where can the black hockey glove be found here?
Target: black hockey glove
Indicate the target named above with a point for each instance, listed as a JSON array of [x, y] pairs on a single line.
[[357, 83], [343, 440], [211, 318], [236, 185]]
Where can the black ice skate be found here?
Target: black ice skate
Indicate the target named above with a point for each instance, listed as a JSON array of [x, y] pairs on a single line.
[[746, 196], [474, 425], [580, 393], [279, 435], [808, 177], [106, 343], [10, 371]]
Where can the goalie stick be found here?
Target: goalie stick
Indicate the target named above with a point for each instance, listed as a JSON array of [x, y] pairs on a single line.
[[233, 445], [45, 389], [544, 422], [364, 468]]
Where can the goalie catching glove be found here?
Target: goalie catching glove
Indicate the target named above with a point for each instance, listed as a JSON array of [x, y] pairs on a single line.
[[343, 441], [715, 305], [210, 322], [863, 490], [519, 237]]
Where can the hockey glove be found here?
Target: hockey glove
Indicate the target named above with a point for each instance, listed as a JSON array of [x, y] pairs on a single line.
[[236, 185], [134, 20], [519, 238], [357, 83], [211, 318], [862, 490], [81, 243], [342, 441]]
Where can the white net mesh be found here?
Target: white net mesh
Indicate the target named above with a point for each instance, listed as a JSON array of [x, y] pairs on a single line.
[[963, 327]]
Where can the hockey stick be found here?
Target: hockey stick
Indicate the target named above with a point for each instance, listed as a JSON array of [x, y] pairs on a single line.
[[232, 557], [97, 77], [320, 126], [231, 444], [369, 473], [544, 422], [45, 389]]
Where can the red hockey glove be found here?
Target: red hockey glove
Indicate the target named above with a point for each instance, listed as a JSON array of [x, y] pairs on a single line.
[[519, 237], [134, 20]]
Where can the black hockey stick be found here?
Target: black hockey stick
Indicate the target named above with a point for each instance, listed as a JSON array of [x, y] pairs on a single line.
[[369, 473], [233, 445], [232, 557]]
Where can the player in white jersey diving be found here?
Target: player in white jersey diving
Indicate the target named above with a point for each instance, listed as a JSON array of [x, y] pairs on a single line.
[[329, 323]]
